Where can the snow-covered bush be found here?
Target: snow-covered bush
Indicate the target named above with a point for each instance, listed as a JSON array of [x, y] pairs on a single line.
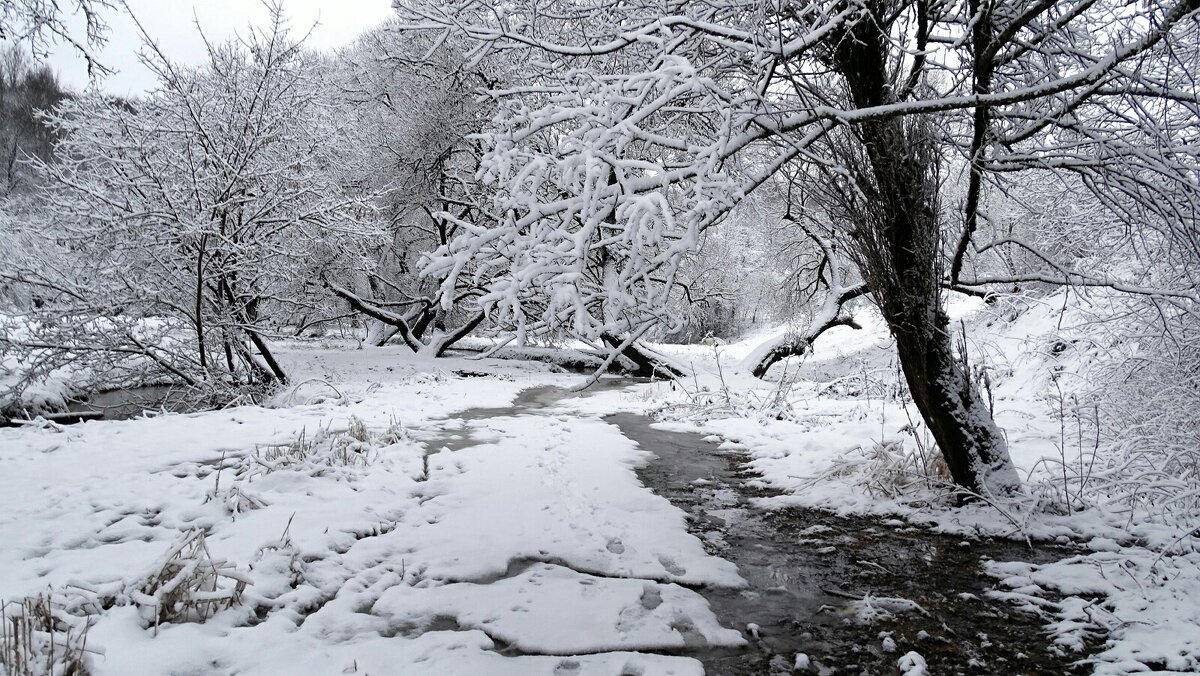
[[1144, 412]]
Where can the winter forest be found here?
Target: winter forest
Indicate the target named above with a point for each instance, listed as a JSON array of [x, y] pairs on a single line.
[[604, 337]]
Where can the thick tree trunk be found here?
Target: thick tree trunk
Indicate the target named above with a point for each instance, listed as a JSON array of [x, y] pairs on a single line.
[[379, 333], [440, 343], [894, 209], [950, 404]]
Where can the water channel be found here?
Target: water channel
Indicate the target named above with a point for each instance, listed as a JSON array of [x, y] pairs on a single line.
[[847, 595], [814, 579]]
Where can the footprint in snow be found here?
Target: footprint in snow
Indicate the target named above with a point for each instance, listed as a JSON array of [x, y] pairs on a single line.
[[673, 568]]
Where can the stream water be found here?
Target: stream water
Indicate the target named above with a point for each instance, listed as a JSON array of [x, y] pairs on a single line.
[[810, 574], [849, 594], [133, 402], [119, 404]]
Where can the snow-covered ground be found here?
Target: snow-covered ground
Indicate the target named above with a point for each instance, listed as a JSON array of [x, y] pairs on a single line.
[[362, 524], [830, 433], [366, 553]]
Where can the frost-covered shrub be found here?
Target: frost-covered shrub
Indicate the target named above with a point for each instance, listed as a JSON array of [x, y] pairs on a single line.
[[1145, 409]]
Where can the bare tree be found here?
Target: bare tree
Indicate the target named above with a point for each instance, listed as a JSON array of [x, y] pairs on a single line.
[[183, 221], [413, 106], [647, 122], [42, 22], [25, 89]]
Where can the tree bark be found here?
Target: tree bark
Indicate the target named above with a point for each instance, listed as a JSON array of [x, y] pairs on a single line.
[[894, 210]]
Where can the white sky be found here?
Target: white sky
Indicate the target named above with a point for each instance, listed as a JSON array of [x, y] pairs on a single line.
[[172, 23]]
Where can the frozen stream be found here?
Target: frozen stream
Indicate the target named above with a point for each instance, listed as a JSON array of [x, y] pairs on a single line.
[[852, 595]]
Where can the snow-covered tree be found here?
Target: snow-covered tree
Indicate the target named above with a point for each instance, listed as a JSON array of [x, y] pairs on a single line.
[[644, 123], [413, 108], [183, 221], [25, 89], [39, 23]]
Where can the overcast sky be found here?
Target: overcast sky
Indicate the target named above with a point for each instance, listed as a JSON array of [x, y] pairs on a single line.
[[172, 22]]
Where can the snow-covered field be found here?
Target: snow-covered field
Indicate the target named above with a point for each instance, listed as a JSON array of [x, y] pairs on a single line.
[[362, 524], [377, 553]]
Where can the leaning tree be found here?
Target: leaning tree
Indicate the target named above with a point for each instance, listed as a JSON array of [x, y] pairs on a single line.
[[644, 123]]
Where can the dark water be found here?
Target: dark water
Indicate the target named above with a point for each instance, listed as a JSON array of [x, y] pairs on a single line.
[[806, 569], [121, 404], [133, 402]]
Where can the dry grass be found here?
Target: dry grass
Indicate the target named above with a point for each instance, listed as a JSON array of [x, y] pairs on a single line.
[[325, 452], [887, 469], [187, 584], [38, 637], [292, 453], [351, 447]]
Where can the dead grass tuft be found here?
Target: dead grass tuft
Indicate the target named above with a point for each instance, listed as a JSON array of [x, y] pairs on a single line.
[[187, 584], [888, 469], [39, 637]]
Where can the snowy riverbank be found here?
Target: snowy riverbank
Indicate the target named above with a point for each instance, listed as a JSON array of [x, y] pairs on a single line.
[[375, 529]]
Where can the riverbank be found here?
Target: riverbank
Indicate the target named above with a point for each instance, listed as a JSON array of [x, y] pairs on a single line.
[[455, 516]]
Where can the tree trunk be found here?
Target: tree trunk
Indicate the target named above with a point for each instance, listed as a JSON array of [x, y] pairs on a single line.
[[648, 364], [897, 233], [950, 404]]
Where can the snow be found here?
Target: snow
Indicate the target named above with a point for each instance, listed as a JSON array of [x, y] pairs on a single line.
[[554, 610], [912, 664], [379, 528], [1144, 602], [802, 663], [367, 553]]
